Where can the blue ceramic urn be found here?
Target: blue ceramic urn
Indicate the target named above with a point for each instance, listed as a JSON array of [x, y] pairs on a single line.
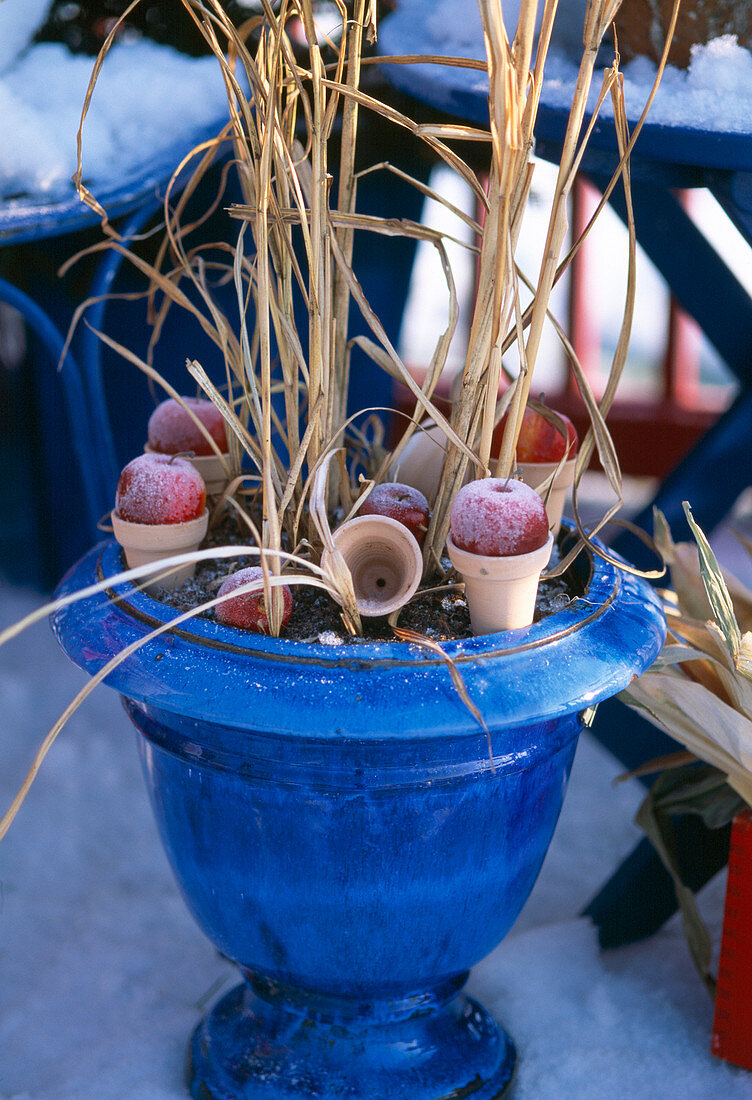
[[345, 830]]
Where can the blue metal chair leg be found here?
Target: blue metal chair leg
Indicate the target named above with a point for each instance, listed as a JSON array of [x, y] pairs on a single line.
[[83, 434]]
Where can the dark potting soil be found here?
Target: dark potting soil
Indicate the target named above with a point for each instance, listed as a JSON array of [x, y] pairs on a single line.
[[440, 615]]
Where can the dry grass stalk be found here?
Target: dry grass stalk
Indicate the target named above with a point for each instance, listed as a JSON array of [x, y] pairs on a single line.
[[295, 249], [514, 96]]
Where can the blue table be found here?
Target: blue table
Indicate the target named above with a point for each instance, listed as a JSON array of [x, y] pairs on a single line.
[[640, 895], [384, 265]]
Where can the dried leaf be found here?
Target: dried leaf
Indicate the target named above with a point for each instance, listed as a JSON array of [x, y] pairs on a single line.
[[715, 587]]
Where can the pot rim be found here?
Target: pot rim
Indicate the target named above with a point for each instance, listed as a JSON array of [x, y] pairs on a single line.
[[600, 593], [571, 660]]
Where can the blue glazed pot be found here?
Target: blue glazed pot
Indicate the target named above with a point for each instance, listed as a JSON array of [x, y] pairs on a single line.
[[345, 831]]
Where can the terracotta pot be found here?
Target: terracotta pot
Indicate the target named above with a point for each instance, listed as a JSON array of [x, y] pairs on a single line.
[[384, 559], [535, 474], [641, 26], [144, 543], [420, 465], [500, 592], [212, 471]]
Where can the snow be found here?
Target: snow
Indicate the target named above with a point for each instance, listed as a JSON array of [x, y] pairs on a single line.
[[149, 98], [19, 20], [103, 973], [714, 94]]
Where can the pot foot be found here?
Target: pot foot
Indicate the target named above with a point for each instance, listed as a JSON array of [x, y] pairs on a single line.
[[253, 1047]]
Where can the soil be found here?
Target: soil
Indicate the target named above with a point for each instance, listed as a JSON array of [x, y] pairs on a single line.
[[440, 616]]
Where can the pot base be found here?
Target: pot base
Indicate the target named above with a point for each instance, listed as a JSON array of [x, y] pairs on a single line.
[[439, 1046]]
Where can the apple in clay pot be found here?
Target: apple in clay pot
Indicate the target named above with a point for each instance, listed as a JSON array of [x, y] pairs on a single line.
[[248, 610], [542, 441], [499, 543], [171, 431], [498, 517], [160, 511], [401, 502], [160, 489]]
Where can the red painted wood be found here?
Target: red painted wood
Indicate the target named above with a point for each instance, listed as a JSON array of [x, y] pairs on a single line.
[[732, 1025]]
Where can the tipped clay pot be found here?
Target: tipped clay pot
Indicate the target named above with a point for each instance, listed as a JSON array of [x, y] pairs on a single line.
[[384, 559]]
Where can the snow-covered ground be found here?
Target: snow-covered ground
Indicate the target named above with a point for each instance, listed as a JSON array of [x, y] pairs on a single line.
[[103, 973]]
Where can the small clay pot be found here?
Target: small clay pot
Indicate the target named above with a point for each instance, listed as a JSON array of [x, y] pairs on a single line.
[[642, 25], [500, 592], [535, 474], [144, 543], [420, 463], [384, 559], [212, 471], [210, 467]]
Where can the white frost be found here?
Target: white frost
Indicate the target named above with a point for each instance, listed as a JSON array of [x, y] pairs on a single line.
[[714, 94], [149, 99]]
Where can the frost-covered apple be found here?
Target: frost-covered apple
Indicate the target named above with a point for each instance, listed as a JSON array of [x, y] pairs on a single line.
[[171, 431], [401, 502], [248, 610], [498, 517], [158, 489], [541, 441]]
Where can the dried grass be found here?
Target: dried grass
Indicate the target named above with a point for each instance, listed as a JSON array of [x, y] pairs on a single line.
[[295, 241]]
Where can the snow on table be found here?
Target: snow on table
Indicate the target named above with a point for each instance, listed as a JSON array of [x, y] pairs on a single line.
[[714, 94], [148, 98]]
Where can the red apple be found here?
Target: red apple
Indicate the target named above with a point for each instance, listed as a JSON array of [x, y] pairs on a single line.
[[401, 502], [498, 517], [248, 610], [542, 441], [160, 489], [171, 431]]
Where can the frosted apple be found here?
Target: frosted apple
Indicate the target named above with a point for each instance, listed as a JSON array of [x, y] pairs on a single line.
[[171, 430], [498, 517], [248, 610], [542, 441], [401, 502], [160, 489]]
